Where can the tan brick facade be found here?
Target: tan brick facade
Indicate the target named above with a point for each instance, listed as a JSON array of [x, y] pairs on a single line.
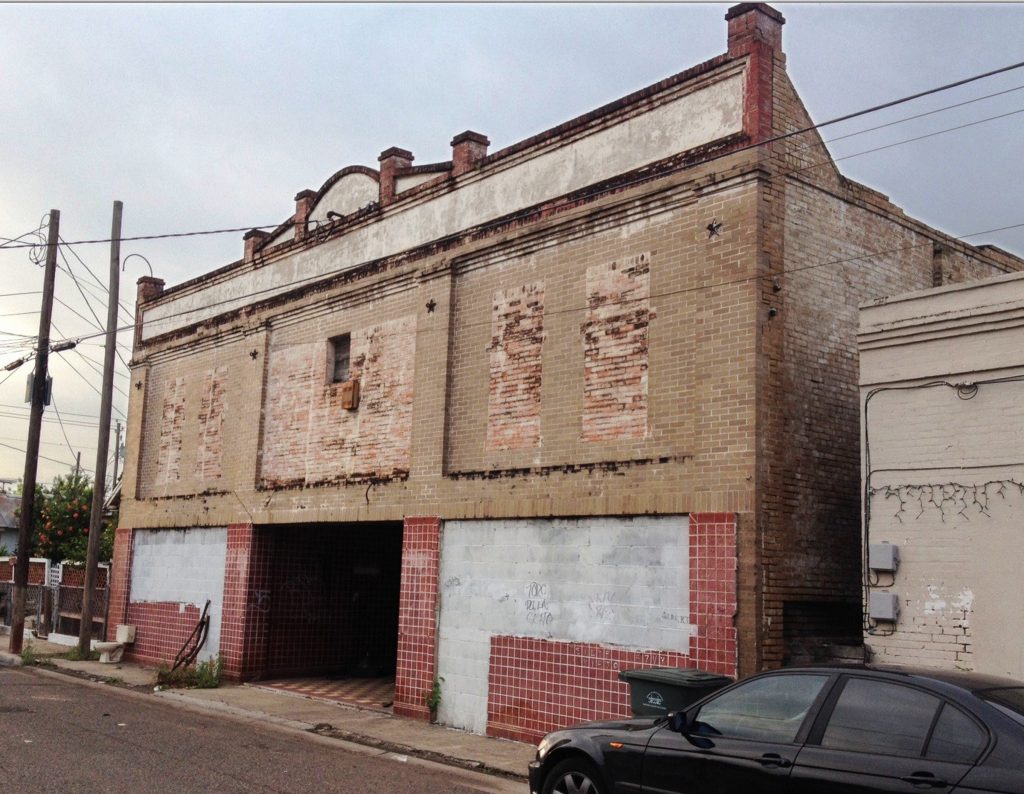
[[675, 338]]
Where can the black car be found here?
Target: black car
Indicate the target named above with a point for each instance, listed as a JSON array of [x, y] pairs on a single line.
[[807, 730]]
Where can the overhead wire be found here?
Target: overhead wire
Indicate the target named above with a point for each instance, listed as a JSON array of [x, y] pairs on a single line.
[[53, 402], [914, 117], [44, 457], [67, 269], [104, 288]]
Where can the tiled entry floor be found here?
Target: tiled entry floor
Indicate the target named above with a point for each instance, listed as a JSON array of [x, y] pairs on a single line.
[[367, 693]]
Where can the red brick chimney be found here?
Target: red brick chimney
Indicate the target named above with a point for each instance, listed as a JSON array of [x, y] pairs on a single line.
[[147, 288], [755, 32], [254, 240], [392, 161], [468, 149], [303, 205]]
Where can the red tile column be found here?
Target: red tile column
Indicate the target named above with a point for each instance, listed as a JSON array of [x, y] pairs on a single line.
[[245, 613], [713, 591], [417, 616], [120, 581]]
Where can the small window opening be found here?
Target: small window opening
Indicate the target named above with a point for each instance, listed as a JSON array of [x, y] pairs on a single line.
[[340, 349]]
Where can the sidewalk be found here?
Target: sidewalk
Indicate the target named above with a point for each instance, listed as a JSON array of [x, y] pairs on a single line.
[[374, 729]]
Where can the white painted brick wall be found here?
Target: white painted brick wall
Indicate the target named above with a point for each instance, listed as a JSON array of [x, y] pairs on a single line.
[[617, 581], [183, 566]]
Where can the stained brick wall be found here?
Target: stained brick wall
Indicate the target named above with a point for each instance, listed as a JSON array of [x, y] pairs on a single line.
[[615, 349], [828, 245], [311, 439], [745, 404], [172, 425], [199, 430], [211, 425], [517, 338]]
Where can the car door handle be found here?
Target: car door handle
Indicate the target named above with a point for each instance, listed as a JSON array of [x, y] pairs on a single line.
[[925, 780], [774, 759]]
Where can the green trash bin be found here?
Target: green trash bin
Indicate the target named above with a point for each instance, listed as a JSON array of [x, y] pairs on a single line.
[[657, 691]]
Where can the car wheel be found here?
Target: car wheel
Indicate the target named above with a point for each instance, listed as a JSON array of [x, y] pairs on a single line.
[[574, 776]]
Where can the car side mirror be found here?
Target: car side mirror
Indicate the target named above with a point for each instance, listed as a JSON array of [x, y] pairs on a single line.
[[678, 722]]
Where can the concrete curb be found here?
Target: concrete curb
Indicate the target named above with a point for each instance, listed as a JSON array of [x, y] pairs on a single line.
[[9, 660]]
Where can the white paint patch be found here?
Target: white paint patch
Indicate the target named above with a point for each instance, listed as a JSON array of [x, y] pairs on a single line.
[[681, 122], [182, 566], [938, 602], [621, 581]]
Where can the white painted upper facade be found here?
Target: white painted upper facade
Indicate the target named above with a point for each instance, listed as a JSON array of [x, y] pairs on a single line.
[[693, 113]]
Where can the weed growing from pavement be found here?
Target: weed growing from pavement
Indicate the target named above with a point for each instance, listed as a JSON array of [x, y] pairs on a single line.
[[74, 655], [29, 655], [205, 675]]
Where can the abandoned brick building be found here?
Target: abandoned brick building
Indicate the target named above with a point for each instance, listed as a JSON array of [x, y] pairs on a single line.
[[523, 419]]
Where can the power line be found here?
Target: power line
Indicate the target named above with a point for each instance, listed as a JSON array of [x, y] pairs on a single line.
[[164, 236], [905, 119], [53, 402], [43, 457], [74, 279], [100, 284]]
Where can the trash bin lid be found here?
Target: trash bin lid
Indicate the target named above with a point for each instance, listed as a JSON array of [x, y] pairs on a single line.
[[687, 678]]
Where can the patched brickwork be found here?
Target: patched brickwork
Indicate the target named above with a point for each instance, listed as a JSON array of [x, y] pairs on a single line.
[[615, 349], [517, 337], [211, 424], [310, 438], [172, 425]]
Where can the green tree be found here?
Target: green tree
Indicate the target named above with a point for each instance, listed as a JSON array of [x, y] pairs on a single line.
[[61, 526]]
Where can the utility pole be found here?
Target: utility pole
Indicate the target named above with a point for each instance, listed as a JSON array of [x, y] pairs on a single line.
[[103, 438], [117, 453], [78, 463], [35, 422]]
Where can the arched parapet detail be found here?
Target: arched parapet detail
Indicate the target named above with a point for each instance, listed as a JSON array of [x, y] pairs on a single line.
[[347, 191]]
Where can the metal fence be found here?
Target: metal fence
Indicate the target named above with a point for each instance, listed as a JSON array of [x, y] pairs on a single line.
[[55, 609]]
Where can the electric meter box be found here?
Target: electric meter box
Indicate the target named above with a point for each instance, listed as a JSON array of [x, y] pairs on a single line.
[[884, 607], [883, 557]]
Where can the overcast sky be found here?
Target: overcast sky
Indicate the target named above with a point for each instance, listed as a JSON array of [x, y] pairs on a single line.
[[204, 117]]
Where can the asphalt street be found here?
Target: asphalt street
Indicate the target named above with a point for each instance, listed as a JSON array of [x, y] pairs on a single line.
[[64, 736]]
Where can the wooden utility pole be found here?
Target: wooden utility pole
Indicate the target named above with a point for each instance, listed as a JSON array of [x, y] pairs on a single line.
[[117, 453], [35, 422], [103, 438]]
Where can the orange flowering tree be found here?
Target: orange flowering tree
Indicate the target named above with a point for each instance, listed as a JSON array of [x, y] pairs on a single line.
[[62, 520]]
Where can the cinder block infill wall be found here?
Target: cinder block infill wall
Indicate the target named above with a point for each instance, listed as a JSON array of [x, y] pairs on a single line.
[[537, 685], [530, 679]]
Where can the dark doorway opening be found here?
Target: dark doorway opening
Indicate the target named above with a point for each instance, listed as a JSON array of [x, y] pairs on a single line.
[[332, 600]]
